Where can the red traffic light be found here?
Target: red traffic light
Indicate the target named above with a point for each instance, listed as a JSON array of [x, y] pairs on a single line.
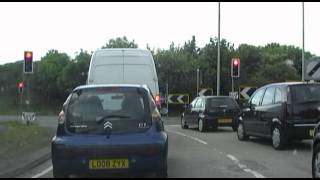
[[235, 62], [21, 85], [28, 55]]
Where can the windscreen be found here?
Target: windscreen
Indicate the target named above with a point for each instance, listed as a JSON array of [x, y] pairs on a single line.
[[108, 110], [227, 103]]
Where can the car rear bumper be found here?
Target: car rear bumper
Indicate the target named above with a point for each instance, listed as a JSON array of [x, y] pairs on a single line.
[[214, 122], [300, 131], [137, 164], [145, 153]]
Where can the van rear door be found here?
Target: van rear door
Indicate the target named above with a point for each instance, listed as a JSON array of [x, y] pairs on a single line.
[[139, 68], [108, 68]]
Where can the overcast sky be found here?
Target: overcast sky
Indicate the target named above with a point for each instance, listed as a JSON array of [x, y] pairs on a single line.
[[68, 27]]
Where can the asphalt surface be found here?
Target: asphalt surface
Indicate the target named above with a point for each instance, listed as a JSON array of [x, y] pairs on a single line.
[[218, 154]]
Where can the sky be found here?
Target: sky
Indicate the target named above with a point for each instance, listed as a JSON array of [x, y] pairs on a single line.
[[69, 27]]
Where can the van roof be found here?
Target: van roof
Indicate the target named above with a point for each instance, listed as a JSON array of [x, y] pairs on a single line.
[[110, 85], [120, 51]]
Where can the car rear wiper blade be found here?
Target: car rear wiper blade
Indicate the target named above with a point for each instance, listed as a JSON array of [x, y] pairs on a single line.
[[99, 120]]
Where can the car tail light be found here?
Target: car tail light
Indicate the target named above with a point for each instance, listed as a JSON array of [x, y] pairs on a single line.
[[157, 100], [62, 117]]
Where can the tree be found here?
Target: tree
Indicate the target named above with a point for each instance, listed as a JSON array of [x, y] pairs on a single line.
[[120, 43]]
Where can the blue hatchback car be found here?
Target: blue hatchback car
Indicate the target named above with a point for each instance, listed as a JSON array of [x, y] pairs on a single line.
[[110, 129]]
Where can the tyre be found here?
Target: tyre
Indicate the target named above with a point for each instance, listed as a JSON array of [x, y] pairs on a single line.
[[59, 174], [242, 136], [316, 162], [183, 123], [234, 128], [201, 125], [162, 174], [278, 138]]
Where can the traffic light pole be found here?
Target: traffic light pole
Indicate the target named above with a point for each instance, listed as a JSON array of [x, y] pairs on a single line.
[[232, 84]]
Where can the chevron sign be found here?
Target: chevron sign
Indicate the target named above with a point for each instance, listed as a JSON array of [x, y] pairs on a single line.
[[246, 92], [178, 99]]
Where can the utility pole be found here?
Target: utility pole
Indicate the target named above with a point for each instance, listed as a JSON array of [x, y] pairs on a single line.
[[197, 81], [303, 69], [218, 64]]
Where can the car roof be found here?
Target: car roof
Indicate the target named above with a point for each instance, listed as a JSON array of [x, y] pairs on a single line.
[[287, 84], [111, 85], [214, 97]]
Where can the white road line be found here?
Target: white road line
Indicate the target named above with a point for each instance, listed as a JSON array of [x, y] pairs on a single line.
[[173, 125], [43, 172], [190, 137], [245, 168]]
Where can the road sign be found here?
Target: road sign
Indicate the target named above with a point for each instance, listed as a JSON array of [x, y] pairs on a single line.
[[312, 69], [246, 92], [234, 95], [206, 92], [178, 99], [28, 117]]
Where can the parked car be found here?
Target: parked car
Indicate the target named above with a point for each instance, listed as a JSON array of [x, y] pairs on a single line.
[[124, 66], [105, 129], [211, 111], [282, 112]]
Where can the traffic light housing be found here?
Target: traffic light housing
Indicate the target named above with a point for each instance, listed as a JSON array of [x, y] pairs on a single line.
[[235, 67], [28, 62]]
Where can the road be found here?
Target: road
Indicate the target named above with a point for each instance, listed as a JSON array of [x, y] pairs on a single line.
[[220, 154]]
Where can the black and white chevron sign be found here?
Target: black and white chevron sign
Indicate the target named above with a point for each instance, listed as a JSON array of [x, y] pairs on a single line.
[[178, 99], [312, 68], [246, 92]]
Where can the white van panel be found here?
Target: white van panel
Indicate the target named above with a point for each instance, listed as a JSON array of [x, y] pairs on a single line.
[[118, 66], [110, 74], [139, 74]]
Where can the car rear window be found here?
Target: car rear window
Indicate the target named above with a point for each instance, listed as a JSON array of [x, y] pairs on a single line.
[[306, 93], [93, 110], [228, 103]]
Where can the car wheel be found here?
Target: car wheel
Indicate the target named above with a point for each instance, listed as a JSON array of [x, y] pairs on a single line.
[[183, 123], [163, 172], [59, 174], [316, 162], [234, 128], [201, 126], [278, 139], [242, 136]]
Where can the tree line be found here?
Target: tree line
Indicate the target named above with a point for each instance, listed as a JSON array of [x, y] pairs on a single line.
[[56, 73]]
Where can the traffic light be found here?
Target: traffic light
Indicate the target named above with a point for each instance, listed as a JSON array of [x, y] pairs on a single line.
[[235, 67], [20, 87], [28, 64]]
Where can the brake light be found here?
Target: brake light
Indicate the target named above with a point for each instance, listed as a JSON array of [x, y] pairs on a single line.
[[157, 99]]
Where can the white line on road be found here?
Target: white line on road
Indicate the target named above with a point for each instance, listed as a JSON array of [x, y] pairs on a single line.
[[190, 137], [244, 167], [43, 172]]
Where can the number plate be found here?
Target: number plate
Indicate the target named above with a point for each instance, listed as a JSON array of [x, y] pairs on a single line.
[[109, 164], [224, 120], [311, 132]]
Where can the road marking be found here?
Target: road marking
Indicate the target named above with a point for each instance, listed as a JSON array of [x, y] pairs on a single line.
[[173, 125], [245, 168], [190, 137], [43, 172]]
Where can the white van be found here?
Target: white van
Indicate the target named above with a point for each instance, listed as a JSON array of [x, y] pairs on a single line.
[[124, 66]]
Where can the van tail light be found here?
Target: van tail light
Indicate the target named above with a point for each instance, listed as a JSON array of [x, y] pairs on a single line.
[[62, 118], [158, 100]]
